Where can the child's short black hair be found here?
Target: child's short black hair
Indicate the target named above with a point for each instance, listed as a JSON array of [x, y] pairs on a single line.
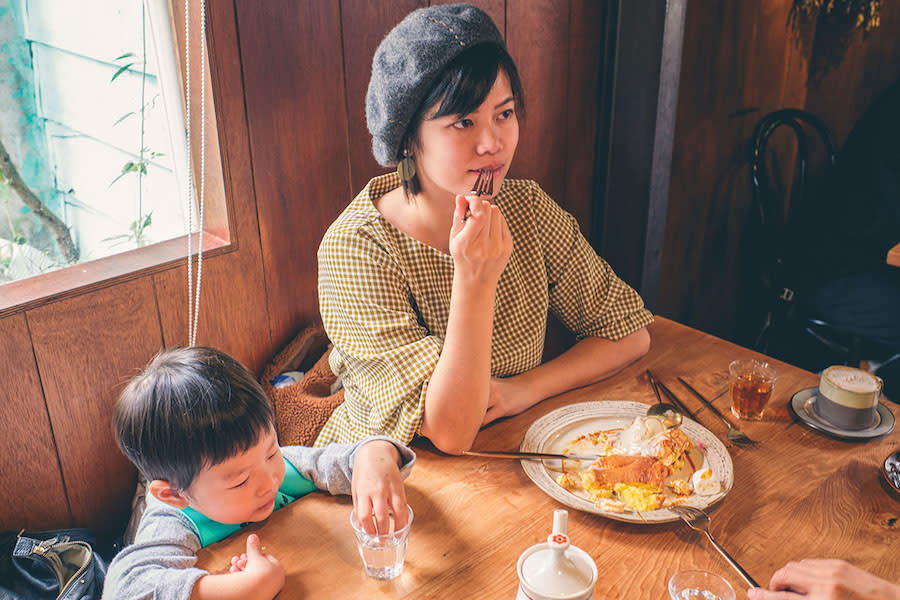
[[460, 89], [189, 409]]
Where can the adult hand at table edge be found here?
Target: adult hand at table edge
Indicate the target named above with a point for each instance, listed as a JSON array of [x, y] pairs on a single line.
[[377, 487], [825, 579]]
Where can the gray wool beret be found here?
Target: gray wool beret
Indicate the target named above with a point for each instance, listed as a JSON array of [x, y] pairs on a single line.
[[409, 60]]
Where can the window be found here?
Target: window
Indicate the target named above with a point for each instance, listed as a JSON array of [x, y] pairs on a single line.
[[92, 122]]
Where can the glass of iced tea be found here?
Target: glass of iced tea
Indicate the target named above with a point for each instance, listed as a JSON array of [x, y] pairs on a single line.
[[752, 382]]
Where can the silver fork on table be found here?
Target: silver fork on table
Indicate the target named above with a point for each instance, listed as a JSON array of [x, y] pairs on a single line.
[[698, 520], [484, 186], [735, 435]]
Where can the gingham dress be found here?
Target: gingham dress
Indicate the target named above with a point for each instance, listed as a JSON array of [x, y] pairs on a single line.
[[384, 298]]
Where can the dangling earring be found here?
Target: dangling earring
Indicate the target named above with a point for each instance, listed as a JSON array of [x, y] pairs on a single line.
[[406, 168]]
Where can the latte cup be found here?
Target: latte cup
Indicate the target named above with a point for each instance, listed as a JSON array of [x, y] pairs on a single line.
[[848, 397]]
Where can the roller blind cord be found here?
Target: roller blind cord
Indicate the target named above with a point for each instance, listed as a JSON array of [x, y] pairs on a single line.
[[194, 294]]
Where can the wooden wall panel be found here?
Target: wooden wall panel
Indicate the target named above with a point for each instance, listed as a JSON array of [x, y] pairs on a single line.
[[86, 349], [740, 62], [737, 65], [705, 146], [294, 90], [233, 310], [634, 79], [32, 495], [364, 24], [869, 66], [233, 315], [582, 101], [537, 38]]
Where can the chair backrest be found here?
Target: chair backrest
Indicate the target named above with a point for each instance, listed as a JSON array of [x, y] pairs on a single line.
[[771, 208], [777, 247]]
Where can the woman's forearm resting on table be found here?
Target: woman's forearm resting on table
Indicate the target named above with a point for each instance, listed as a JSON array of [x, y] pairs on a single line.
[[465, 400], [588, 361]]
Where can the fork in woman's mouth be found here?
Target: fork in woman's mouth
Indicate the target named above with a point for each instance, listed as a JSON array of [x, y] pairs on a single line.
[[484, 186]]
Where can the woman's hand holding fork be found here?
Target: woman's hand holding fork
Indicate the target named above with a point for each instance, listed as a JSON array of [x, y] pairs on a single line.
[[480, 241]]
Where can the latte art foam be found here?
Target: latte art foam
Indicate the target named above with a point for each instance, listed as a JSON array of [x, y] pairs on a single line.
[[853, 380]]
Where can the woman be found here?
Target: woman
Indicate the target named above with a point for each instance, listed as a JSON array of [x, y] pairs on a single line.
[[436, 299]]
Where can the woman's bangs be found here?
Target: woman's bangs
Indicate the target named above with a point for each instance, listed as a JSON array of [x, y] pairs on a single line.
[[467, 88]]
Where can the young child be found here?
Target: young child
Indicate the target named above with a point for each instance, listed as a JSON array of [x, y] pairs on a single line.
[[199, 428]]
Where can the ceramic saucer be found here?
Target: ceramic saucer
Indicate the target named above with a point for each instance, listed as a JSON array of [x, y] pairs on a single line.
[[803, 405]]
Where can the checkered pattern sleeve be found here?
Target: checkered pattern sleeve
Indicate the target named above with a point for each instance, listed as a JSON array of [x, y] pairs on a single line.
[[381, 350], [585, 293]]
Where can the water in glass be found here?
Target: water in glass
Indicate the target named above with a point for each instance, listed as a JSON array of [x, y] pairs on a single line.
[[383, 560], [382, 554], [692, 594]]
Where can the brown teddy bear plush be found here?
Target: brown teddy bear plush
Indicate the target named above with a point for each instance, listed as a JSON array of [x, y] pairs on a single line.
[[302, 408]]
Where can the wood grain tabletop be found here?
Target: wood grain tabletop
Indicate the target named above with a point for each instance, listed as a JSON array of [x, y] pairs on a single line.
[[798, 494]]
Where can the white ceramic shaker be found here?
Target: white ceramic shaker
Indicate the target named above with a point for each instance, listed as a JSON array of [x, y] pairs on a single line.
[[556, 570]]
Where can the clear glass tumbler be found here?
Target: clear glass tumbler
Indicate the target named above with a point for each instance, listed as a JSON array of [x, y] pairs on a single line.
[[382, 554], [699, 585]]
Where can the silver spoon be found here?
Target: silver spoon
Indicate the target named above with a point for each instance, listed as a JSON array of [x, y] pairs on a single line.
[[669, 413]]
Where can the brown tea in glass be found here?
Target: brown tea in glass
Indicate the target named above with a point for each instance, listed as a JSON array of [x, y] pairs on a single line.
[[752, 382]]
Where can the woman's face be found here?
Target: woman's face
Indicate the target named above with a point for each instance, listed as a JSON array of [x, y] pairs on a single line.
[[452, 149]]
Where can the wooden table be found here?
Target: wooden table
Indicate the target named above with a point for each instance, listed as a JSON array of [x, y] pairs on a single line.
[[893, 256], [798, 494]]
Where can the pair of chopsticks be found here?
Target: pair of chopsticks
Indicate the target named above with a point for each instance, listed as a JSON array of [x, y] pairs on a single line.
[[659, 385], [677, 401]]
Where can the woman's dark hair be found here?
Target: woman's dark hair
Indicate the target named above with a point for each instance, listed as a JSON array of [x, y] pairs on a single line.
[[460, 89], [189, 409]]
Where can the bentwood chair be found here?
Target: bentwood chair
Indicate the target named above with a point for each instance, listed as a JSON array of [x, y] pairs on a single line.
[[781, 244]]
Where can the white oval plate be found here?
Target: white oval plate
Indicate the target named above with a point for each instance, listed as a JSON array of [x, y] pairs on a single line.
[[553, 431]]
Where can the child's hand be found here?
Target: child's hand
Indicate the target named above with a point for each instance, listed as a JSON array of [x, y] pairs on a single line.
[[253, 575], [377, 487], [265, 567], [238, 563]]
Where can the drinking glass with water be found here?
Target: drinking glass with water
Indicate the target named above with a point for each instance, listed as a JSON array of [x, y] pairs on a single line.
[[383, 553], [699, 585]]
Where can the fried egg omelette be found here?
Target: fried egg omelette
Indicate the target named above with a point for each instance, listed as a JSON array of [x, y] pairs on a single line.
[[644, 466]]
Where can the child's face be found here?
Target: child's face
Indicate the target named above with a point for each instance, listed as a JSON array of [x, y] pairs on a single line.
[[241, 488]]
